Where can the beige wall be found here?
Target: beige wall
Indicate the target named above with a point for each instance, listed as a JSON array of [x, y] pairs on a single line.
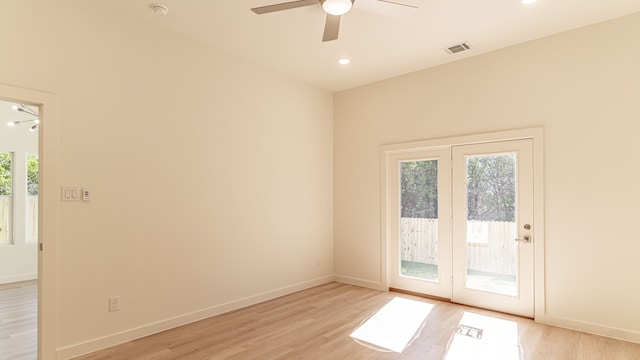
[[583, 86], [211, 178]]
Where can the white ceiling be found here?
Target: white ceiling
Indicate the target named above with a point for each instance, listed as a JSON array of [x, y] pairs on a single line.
[[379, 45]]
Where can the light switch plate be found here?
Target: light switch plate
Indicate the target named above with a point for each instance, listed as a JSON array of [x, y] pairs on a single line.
[[71, 193]]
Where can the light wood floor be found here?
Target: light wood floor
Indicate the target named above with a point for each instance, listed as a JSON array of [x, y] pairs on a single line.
[[316, 323], [19, 320]]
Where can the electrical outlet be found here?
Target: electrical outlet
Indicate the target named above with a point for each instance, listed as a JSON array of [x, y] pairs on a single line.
[[114, 303]]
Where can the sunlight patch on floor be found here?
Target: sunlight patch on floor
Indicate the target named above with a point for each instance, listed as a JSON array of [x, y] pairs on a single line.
[[394, 325], [482, 337]]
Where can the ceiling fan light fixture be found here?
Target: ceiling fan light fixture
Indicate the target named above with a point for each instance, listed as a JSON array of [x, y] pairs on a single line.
[[337, 7]]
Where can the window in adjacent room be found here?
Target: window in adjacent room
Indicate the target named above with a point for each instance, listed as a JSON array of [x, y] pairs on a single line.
[[32, 199], [6, 198]]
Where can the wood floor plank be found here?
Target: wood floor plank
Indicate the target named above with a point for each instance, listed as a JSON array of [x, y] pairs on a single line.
[[19, 320], [316, 323]]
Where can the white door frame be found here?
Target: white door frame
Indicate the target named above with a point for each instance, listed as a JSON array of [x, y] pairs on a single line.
[[535, 133], [47, 210]]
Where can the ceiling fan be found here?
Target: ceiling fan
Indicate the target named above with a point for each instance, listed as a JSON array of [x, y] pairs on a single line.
[[334, 9]]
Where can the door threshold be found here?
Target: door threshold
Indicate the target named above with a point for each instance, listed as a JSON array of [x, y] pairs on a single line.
[[447, 300], [426, 296]]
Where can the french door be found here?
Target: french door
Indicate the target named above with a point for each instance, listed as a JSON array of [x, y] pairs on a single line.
[[493, 226], [461, 224], [421, 252]]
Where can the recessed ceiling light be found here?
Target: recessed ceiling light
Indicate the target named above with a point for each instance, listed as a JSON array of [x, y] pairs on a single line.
[[527, 2], [344, 61]]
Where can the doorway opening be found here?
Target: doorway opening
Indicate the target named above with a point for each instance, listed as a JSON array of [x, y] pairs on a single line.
[[19, 190], [34, 212]]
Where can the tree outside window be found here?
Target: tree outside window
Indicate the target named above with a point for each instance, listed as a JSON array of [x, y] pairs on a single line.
[[32, 175], [491, 188]]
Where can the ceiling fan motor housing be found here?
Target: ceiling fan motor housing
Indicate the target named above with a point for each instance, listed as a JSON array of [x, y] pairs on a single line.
[[336, 7]]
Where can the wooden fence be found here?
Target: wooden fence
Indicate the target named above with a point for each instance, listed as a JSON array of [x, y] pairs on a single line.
[[490, 244]]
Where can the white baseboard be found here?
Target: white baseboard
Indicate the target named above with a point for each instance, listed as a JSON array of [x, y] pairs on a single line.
[[153, 328], [18, 278], [591, 328], [361, 282]]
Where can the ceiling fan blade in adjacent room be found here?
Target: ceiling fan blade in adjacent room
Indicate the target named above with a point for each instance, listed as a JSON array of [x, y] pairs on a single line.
[[331, 28], [283, 6]]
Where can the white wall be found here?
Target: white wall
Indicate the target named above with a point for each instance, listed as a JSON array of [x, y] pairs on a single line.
[[211, 179], [583, 86], [19, 261]]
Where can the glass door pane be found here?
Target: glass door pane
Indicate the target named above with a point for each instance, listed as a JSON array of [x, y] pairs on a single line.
[[492, 253], [419, 219]]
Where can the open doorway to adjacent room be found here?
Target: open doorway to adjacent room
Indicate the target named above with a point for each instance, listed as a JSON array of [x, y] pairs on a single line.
[[19, 200]]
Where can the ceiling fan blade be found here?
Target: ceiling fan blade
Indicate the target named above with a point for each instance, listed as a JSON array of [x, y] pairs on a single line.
[[331, 28], [283, 6]]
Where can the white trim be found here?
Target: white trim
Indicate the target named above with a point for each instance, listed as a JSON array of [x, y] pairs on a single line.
[[18, 278], [591, 328], [72, 351], [48, 210], [362, 282], [528, 133], [539, 221], [385, 161], [535, 133]]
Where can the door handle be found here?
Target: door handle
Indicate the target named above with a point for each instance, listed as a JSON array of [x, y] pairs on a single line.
[[525, 238]]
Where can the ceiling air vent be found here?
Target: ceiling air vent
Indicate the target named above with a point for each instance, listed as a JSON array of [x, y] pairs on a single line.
[[457, 48]]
